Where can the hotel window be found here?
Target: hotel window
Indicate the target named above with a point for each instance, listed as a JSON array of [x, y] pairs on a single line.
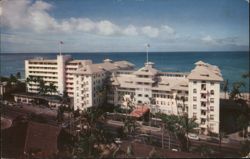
[[212, 108], [195, 82], [212, 83], [77, 82], [211, 117], [146, 95], [212, 92], [194, 106], [139, 95], [212, 127], [194, 98], [195, 115], [212, 100], [194, 91]]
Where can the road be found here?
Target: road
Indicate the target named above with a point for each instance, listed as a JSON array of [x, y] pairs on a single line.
[[229, 149]]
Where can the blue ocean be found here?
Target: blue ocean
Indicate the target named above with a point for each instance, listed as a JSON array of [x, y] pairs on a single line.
[[232, 64]]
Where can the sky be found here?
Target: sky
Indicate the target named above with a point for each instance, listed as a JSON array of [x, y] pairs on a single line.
[[124, 25]]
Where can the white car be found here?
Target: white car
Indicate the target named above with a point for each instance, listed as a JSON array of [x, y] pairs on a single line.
[[118, 140], [193, 136]]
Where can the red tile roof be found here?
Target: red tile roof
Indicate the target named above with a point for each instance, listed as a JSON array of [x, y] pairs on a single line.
[[139, 111], [30, 136]]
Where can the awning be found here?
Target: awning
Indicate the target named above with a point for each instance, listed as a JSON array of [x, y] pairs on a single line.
[[139, 111]]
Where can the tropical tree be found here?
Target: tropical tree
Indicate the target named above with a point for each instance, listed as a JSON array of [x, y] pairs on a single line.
[[18, 75], [246, 75], [42, 87], [51, 88], [130, 125], [245, 148], [170, 122], [28, 81], [221, 136], [235, 93], [103, 91], [243, 122], [225, 88], [204, 150], [187, 125]]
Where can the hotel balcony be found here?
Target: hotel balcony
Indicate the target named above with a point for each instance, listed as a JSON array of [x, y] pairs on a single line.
[[204, 116], [203, 107], [203, 125], [203, 99]]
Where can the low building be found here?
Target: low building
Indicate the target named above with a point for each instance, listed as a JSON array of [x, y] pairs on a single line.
[[3, 88], [33, 98], [30, 140]]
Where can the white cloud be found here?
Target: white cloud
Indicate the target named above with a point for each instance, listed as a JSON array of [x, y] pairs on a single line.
[[209, 40], [150, 31], [130, 30], [23, 14], [167, 29], [107, 28]]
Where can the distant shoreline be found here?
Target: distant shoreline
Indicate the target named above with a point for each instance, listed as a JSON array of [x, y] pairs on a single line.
[[130, 52]]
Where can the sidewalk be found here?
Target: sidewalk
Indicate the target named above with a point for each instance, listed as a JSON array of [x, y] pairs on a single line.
[[235, 136]]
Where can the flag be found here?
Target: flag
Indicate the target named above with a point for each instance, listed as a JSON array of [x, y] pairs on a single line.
[[61, 42], [148, 45]]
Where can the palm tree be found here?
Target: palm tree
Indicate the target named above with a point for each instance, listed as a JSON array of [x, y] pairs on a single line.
[[28, 82], [235, 93], [51, 88], [42, 88], [245, 148], [246, 75], [204, 150], [130, 125], [187, 125], [242, 122], [170, 124], [225, 87], [221, 136]]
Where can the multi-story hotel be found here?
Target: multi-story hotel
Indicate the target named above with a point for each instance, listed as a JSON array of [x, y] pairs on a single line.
[[196, 93], [59, 71]]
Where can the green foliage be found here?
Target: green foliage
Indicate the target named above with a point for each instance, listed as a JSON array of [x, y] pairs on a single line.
[[18, 75], [204, 150], [130, 125], [246, 75], [245, 148], [235, 92]]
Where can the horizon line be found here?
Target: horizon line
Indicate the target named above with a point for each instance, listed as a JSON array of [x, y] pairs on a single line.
[[121, 52]]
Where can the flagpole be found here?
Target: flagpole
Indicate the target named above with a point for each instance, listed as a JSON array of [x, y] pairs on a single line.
[[147, 53], [60, 51]]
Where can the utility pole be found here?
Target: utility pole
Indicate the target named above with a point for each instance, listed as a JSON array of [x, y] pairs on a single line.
[[162, 136]]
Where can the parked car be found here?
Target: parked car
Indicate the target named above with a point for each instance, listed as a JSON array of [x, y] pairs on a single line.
[[193, 136], [118, 140]]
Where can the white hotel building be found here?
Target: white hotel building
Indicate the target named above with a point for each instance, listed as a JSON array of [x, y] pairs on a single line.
[[196, 93]]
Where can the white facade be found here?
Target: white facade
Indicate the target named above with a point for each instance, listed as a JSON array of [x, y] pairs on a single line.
[[89, 79], [58, 71], [196, 93]]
